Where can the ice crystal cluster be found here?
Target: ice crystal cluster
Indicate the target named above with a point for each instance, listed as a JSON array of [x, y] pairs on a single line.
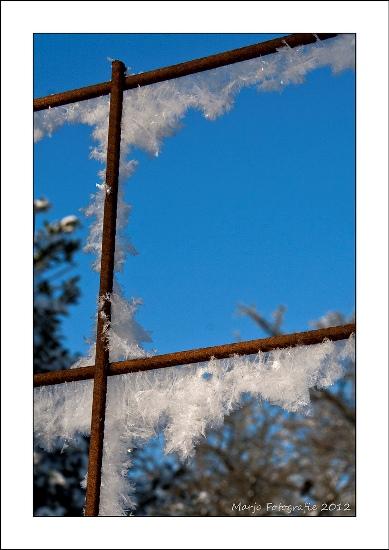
[[182, 401]]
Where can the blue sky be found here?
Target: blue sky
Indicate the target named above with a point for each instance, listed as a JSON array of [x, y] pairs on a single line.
[[256, 207]]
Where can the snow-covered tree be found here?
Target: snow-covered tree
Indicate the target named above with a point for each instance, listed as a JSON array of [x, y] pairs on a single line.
[[54, 249], [57, 475]]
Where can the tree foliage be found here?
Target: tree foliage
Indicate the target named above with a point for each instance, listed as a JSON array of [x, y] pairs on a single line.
[[57, 476], [54, 249]]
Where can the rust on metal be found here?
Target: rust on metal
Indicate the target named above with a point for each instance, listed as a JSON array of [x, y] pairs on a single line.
[[106, 284], [72, 96], [239, 348], [199, 355], [61, 376], [182, 69]]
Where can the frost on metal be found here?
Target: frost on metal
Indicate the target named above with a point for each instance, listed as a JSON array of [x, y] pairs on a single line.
[[154, 112], [184, 401]]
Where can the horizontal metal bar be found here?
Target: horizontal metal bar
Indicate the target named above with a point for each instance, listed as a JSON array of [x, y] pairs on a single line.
[[72, 96], [181, 69], [199, 355]]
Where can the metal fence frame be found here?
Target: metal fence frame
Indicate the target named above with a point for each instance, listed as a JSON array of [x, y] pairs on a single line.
[[102, 367]]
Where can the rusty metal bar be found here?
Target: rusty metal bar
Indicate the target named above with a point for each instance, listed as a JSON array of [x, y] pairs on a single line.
[[199, 355], [106, 283], [182, 69], [61, 376]]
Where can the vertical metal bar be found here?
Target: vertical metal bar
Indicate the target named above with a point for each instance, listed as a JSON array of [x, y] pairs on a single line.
[[106, 283]]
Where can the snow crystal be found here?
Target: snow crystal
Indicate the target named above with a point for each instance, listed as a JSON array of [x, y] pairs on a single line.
[[153, 112], [184, 401]]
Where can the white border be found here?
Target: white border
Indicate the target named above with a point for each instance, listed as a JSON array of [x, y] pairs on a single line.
[[369, 21]]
